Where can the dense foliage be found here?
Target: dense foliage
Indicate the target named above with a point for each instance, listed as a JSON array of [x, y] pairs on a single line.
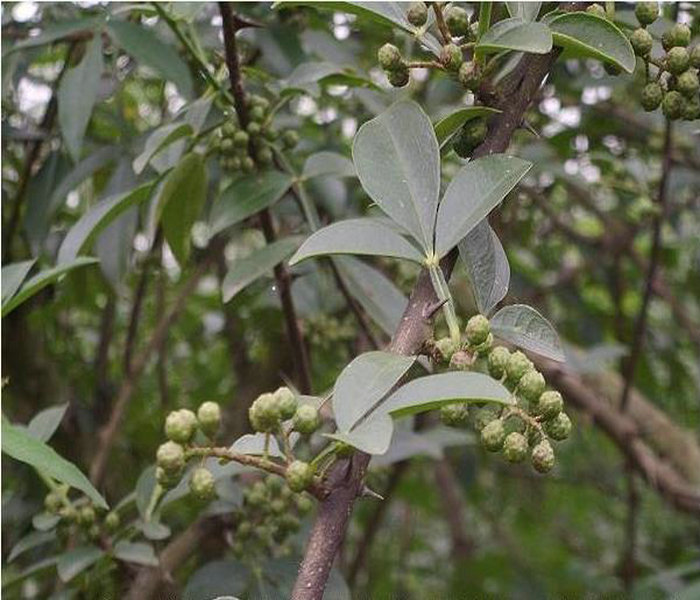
[[289, 291]]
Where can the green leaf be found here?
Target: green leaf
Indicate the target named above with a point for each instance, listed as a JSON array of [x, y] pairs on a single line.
[[585, 34], [526, 11], [21, 446], [96, 219], [180, 203], [487, 264], [373, 435], [357, 236], [143, 44], [514, 34], [364, 382], [45, 423], [30, 541], [41, 280], [473, 193], [246, 270], [446, 127], [247, 196], [397, 159], [218, 578], [75, 561], [77, 94], [44, 521], [159, 139], [138, 553], [323, 164], [378, 296], [12, 277], [523, 326], [56, 31]]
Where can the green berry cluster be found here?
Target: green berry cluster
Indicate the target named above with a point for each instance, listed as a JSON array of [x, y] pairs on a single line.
[[393, 64], [246, 149], [674, 86], [270, 513], [270, 410], [79, 517], [181, 427], [328, 331], [527, 427]]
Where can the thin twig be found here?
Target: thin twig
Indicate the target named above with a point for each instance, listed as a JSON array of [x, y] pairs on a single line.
[[440, 21], [282, 277]]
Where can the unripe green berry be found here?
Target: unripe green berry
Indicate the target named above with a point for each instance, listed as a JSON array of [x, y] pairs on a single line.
[[597, 10], [482, 351], [642, 42], [202, 484], [451, 56], [289, 523], [86, 515], [229, 129], [389, 57], [399, 77], [264, 413], [286, 402], [680, 34], [455, 415], [94, 533], [270, 134], [180, 426], [482, 416], [306, 419], [492, 435], [446, 347], [559, 427], [273, 484], [691, 109], [299, 475], [112, 521], [240, 139], [477, 330], [264, 156], [468, 75], [549, 404], [518, 364], [167, 480], [695, 57], [171, 457], [209, 417], [652, 95], [515, 447], [226, 146], [278, 506], [247, 164], [497, 361], [673, 105], [688, 84], [290, 139], [457, 21], [256, 100], [417, 14], [254, 128], [53, 502], [677, 60], [531, 385], [646, 12], [543, 457], [257, 114], [304, 504]]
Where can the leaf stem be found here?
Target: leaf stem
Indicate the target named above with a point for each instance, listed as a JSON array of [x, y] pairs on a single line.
[[442, 291]]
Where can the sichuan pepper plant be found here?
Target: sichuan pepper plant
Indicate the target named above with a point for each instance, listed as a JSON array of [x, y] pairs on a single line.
[[192, 153]]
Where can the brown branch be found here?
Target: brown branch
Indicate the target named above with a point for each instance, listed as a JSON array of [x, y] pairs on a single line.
[[333, 515], [440, 22], [641, 324], [108, 432], [230, 25]]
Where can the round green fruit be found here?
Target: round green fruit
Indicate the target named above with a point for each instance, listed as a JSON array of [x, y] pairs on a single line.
[[688, 84], [518, 364], [53, 502], [389, 57], [531, 385], [457, 21], [652, 95], [468, 75], [695, 57], [446, 347], [300, 475], [241, 139], [673, 105], [112, 522], [543, 457], [286, 402], [264, 413], [290, 139], [171, 457], [257, 114], [549, 404], [209, 417], [477, 330], [597, 10], [642, 42], [417, 14], [680, 34], [451, 56], [497, 361], [180, 426], [515, 447], [202, 484], [304, 504], [455, 415], [677, 60], [559, 427], [646, 12], [306, 419], [86, 515], [493, 435], [691, 109], [399, 77]]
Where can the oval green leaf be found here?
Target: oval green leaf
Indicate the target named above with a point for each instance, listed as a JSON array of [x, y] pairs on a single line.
[[12, 277], [515, 34], [446, 127], [523, 326]]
